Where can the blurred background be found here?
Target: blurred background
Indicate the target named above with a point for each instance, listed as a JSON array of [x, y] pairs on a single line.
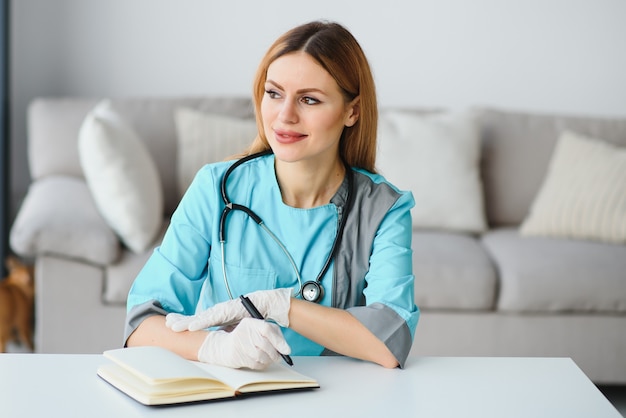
[[564, 56]]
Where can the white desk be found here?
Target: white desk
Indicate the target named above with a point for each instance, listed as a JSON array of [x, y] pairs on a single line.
[[49, 385]]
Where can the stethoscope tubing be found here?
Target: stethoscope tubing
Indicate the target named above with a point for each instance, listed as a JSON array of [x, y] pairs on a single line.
[[230, 206]]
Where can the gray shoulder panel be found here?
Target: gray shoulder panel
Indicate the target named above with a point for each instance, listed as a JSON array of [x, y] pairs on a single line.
[[352, 260]]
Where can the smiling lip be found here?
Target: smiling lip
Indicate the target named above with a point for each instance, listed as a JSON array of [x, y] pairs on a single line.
[[288, 137]]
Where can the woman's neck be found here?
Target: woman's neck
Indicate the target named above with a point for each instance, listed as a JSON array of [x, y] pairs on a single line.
[[306, 186]]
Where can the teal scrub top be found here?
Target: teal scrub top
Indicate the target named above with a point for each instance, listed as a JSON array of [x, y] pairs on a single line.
[[185, 275]]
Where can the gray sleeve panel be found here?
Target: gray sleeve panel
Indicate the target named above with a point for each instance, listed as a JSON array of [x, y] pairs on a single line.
[[352, 264], [138, 313], [388, 326], [352, 260]]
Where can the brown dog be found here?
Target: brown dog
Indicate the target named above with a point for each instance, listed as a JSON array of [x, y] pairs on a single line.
[[17, 292]]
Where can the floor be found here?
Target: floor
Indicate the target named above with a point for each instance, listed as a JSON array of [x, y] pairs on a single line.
[[615, 394]]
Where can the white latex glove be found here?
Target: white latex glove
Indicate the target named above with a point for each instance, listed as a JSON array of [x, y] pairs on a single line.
[[272, 304], [254, 344]]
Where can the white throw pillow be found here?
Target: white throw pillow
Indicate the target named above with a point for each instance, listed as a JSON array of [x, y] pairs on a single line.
[[205, 138], [436, 156], [122, 177], [584, 193]]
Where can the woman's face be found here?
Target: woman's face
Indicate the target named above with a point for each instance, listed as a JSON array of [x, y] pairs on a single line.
[[303, 110]]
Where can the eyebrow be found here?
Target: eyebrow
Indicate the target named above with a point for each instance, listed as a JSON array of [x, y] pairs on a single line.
[[301, 91]]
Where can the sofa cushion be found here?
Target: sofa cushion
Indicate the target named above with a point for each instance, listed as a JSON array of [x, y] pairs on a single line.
[[435, 156], [54, 218], [517, 148], [119, 276], [584, 193], [122, 177], [540, 274], [153, 119], [452, 271], [53, 125], [207, 138]]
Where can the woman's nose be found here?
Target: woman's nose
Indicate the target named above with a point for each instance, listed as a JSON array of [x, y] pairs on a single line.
[[288, 112]]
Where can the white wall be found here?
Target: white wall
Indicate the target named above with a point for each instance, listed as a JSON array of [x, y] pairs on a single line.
[[566, 56]]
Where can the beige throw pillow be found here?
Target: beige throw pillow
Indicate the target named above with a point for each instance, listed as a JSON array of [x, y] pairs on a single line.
[[122, 177], [584, 193], [205, 138], [435, 156]]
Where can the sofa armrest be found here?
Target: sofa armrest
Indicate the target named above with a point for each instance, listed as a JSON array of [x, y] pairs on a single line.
[[59, 216]]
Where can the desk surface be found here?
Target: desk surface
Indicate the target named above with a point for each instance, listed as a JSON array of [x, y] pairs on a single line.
[[47, 385]]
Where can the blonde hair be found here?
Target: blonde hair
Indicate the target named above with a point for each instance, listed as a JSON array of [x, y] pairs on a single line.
[[339, 53]]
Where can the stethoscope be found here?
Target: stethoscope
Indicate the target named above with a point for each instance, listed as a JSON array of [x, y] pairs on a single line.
[[312, 290]]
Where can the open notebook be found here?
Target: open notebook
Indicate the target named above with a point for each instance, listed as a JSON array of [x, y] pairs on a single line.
[[156, 376]]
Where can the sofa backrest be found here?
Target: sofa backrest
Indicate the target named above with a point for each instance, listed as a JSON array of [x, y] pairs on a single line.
[[54, 123], [516, 151], [516, 146]]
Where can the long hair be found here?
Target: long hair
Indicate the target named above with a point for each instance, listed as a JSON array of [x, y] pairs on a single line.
[[339, 53]]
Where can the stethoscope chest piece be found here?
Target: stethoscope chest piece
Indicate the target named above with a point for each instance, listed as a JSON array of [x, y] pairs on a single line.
[[312, 291]]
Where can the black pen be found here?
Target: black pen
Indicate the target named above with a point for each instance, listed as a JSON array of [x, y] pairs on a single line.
[[254, 312]]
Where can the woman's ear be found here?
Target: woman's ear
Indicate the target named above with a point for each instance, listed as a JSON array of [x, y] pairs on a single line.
[[353, 112]]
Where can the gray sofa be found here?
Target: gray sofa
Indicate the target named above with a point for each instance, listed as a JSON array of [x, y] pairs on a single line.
[[493, 292]]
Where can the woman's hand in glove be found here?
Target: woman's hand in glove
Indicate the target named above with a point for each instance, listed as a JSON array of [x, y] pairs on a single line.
[[272, 304], [254, 344]]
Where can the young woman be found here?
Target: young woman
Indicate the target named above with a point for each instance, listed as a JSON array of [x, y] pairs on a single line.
[[302, 225]]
